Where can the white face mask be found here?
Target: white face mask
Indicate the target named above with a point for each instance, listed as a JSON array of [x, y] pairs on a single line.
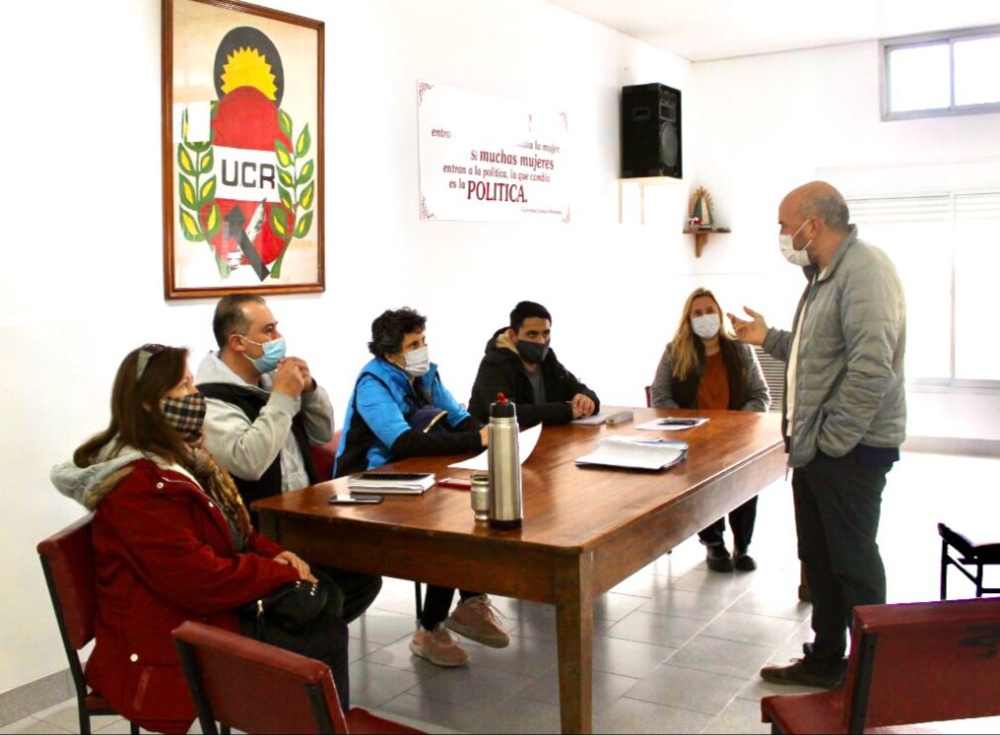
[[706, 326], [793, 256], [418, 362]]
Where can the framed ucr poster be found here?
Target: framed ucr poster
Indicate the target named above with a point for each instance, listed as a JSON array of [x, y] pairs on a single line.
[[242, 150]]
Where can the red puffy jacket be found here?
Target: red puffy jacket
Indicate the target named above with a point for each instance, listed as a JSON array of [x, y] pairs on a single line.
[[164, 554]]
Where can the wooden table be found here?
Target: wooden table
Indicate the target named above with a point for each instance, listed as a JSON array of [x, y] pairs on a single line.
[[585, 529]]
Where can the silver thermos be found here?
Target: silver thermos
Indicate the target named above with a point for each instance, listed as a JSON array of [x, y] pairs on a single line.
[[504, 466]]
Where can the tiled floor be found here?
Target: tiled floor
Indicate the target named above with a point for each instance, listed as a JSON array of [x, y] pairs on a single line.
[[677, 647]]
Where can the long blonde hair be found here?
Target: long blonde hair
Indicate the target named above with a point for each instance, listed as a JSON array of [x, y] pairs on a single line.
[[686, 349]]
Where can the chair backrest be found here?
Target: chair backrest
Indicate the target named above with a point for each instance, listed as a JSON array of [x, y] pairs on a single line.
[[774, 376], [924, 662], [324, 455], [68, 562], [256, 687]]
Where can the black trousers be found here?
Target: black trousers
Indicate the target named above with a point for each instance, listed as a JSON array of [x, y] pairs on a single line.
[[360, 590], [437, 604], [741, 520], [838, 504]]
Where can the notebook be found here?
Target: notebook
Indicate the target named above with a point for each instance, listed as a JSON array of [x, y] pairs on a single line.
[[391, 483], [633, 452]]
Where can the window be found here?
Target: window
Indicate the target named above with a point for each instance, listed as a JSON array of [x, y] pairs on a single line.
[[946, 248], [941, 74]]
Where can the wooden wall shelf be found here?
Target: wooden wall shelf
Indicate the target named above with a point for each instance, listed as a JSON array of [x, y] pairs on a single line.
[[701, 236]]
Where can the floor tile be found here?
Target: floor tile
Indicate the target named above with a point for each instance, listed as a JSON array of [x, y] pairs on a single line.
[[740, 717], [373, 685], [523, 656], [33, 726], [760, 629], [453, 717], [685, 604], [721, 656], [662, 630], [607, 690], [470, 686], [381, 627], [65, 716], [628, 658], [636, 716], [700, 691], [614, 606]]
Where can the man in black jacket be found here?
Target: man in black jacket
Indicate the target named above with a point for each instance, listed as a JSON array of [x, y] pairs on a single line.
[[519, 363]]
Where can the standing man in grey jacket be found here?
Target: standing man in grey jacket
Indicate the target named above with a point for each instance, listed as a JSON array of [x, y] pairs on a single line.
[[844, 415]]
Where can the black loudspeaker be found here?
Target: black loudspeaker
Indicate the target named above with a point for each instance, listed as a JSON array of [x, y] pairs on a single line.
[[651, 131]]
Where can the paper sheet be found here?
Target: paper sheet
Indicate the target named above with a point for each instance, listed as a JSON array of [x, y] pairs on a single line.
[[526, 441]]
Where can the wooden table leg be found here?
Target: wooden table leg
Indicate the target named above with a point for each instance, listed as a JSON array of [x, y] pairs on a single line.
[[575, 636]]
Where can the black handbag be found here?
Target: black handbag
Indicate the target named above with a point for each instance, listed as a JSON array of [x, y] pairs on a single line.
[[296, 604]]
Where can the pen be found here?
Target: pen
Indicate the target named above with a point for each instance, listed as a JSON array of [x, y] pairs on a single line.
[[678, 422]]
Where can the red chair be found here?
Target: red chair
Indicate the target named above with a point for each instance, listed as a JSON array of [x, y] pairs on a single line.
[[324, 455], [68, 562], [912, 663], [259, 688]]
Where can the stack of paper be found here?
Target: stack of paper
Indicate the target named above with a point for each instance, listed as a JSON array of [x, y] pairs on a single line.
[[391, 483], [634, 452]]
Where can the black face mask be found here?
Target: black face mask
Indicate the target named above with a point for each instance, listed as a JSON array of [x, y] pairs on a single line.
[[532, 351]]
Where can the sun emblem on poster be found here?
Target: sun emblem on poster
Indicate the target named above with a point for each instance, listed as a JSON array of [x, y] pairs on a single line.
[[248, 190]]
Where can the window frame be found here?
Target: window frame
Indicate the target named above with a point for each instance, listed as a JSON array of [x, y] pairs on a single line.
[[939, 384], [887, 45]]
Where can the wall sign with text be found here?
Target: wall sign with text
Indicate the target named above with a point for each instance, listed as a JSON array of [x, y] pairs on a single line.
[[490, 159]]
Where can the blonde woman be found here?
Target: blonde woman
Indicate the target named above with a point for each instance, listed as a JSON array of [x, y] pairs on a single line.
[[705, 367]]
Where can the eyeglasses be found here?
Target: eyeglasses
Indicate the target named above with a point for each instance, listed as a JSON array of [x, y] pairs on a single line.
[[145, 353]]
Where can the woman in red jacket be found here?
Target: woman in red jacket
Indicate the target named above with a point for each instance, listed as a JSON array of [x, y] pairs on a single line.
[[172, 542]]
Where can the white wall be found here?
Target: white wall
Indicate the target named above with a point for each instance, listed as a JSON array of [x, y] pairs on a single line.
[[82, 278]]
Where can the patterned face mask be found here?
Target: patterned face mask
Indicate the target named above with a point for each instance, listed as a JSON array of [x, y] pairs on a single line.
[[185, 415]]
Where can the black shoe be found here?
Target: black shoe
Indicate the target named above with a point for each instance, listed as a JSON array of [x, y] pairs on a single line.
[[797, 673], [743, 561], [718, 558]]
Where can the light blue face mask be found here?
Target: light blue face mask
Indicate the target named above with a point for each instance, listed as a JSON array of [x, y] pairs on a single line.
[[274, 351]]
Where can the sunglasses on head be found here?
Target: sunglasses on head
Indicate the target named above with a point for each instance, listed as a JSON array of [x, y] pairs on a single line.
[[145, 353]]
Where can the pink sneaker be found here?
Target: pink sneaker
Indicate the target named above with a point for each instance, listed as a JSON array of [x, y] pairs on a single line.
[[476, 619], [438, 647]]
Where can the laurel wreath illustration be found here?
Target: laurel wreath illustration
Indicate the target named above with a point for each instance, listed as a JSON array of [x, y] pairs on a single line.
[[199, 214]]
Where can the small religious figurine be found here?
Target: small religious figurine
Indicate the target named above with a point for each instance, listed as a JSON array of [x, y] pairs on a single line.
[[700, 207]]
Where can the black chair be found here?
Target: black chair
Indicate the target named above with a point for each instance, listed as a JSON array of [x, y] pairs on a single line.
[[971, 554], [68, 562]]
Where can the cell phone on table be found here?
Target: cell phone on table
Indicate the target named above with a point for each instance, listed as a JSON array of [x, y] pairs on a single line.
[[356, 499]]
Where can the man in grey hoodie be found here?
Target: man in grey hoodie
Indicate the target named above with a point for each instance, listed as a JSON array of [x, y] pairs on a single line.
[[264, 412], [844, 415]]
